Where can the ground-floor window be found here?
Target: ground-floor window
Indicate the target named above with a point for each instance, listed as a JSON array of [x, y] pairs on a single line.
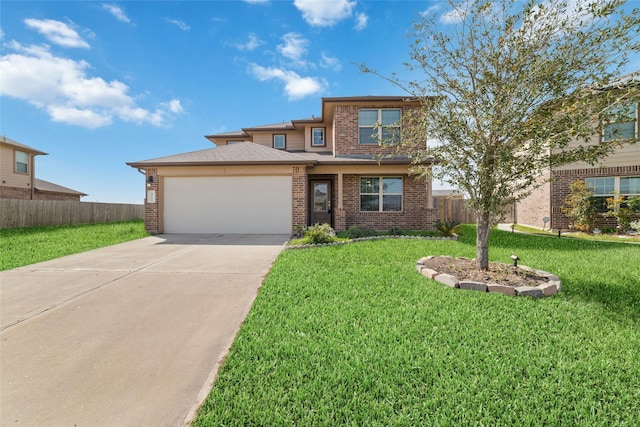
[[381, 194], [606, 187]]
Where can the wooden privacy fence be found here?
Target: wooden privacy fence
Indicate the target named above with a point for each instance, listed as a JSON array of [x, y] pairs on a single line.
[[454, 209], [33, 213]]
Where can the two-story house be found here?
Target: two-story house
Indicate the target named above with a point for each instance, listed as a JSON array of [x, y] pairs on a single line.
[[617, 173], [18, 179], [273, 179]]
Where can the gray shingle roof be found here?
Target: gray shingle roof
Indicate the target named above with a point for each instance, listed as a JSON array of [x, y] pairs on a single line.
[[9, 141], [50, 187], [239, 153]]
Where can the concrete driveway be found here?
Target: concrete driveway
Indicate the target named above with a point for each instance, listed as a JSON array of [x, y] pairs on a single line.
[[128, 335]]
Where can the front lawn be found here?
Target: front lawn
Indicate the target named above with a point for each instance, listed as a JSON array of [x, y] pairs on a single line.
[[353, 335], [24, 246]]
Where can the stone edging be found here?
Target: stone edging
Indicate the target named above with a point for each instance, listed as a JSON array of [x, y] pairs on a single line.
[[361, 239], [552, 287]]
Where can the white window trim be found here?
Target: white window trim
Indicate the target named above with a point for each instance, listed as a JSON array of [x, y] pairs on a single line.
[[379, 122], [381, 194], [324, 137], [15, 164], [616, 185], [636, 127], [284, 141]]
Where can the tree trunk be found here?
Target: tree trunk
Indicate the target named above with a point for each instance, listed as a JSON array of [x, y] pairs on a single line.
[[483, 231]]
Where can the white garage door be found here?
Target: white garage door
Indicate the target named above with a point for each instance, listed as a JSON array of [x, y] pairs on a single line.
[[228, 205]]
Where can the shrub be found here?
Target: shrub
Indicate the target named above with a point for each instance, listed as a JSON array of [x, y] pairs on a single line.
[[447, 228], [620, 211], [354, 232], [579, 207], [635, 226], [396, 231], [319, 233]]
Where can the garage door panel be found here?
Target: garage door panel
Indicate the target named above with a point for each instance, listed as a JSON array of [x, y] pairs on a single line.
[[231, 205]]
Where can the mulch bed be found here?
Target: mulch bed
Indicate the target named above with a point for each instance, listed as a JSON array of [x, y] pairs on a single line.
[[499, 273]]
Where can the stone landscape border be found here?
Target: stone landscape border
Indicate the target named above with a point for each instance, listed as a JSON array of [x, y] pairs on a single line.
[[552, 287]]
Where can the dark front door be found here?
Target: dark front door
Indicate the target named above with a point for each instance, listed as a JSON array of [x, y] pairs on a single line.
[[320, 198]]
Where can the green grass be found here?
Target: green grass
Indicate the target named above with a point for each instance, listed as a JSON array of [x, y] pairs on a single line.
[[24, 246], [579, 235], [353, 335]]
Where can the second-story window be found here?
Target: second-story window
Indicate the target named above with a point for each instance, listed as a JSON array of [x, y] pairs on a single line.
[[280, 141], [378, 125], [622, 123], [22, 162], [317, 137]]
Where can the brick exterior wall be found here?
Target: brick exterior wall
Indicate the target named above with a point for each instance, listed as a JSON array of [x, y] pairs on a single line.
[[152, 210], [531, 210], [7, 192], [560, 190], [299, 189], [345, 119], [414, 216], [55, 196]]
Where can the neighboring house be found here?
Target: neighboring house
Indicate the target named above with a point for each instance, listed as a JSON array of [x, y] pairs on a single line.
[[277, 178], [17, 175], [617, 173]]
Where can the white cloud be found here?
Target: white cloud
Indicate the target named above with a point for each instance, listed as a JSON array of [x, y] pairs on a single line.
[[324, 13], [456, 15], [180, 24], [117, 12], [296, 86], [61, 87], [252, 43], [361, 21], [294, 48], [431, 9], [327, 61], [57, 32]]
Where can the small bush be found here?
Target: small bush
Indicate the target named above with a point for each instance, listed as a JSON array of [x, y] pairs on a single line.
[[396, 231], [580, 207], [354, 232], [447, 228], [635, 226], [618, 209], [319, 233]]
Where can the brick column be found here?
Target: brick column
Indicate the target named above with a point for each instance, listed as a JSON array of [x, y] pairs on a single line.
[[152, 207], [339, 219], [299, 197]]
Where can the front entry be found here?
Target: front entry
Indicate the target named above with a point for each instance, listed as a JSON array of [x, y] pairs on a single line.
[[320, 198]]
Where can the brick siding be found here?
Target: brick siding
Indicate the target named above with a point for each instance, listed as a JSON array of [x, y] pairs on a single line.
[[152, 210], [560, 190], [7, 192], [299, 197], [536, 206], [415, 214], [345, 119]]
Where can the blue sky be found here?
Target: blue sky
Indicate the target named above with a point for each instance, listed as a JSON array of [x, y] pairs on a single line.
[[99, 84]]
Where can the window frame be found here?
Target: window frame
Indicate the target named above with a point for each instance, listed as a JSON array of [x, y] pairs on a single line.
[[381, 193], [324, 135], [381, 126], [16, 162], [601, 198], [284, 141], [604, 137]]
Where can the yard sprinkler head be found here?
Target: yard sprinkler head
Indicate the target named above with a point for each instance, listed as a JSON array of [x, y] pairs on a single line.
[[515, 259]]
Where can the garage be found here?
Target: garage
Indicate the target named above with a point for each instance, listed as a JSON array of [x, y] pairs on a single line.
[[227, 205]]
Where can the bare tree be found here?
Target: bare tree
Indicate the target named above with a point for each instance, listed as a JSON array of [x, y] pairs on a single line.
[[508, 88]]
